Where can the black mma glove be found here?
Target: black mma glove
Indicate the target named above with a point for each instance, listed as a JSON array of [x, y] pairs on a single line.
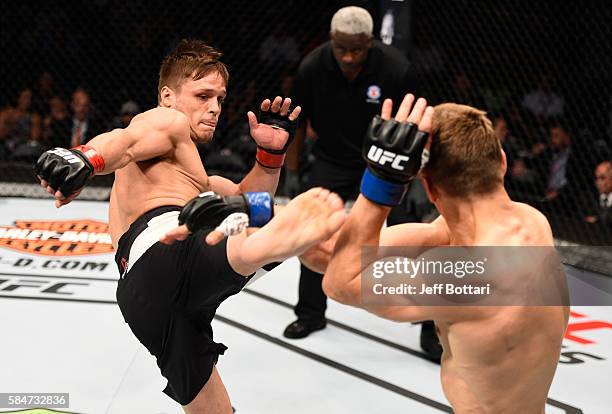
[[228, 214], [67, 170], [274, 158], [394, 153]]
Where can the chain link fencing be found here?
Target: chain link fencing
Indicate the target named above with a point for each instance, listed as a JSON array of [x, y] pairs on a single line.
[[541, 69]]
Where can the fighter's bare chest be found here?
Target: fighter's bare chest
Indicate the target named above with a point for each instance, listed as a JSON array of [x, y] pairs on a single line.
[[179, 178]]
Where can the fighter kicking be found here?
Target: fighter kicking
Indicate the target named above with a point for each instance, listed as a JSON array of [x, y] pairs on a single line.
[[168, 292], [497, 359]]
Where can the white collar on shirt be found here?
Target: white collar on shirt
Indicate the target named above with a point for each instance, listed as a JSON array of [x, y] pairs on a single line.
[[605, 200]]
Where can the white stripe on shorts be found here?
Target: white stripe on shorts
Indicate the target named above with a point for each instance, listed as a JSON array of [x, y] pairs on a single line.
[[156, 228]]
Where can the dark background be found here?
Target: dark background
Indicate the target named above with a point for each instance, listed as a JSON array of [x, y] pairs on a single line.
[[490, 54]]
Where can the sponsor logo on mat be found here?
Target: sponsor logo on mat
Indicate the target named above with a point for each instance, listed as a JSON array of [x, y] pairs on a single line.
[[57, 238]]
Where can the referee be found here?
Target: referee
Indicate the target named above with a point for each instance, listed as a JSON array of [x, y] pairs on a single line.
[[340, 86]]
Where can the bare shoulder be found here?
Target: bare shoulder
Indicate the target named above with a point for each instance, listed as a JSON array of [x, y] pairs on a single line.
[[537, 222], [167, 120], [533, 214]]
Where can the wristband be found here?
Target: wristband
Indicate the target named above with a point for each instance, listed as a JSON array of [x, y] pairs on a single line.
[[93, 156], [268, 159], [381, 191], [260, 208]]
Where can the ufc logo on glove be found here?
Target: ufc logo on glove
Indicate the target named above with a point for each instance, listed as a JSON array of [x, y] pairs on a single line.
[[394, 153], [381, 157], [66, 154]]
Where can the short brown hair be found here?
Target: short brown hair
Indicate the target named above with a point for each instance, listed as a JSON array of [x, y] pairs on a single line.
[[190, 59], [465, 154]]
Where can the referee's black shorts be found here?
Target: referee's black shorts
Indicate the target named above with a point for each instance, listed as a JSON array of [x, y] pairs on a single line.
[[169, 297]]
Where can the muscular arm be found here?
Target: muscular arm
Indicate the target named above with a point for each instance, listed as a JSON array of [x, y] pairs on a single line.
[[364, 228], [342, 280], [258, 179], [152, 134], [318, 257]]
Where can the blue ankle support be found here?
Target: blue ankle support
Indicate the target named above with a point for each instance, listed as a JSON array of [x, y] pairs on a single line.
[[261, 208], [380, 191]]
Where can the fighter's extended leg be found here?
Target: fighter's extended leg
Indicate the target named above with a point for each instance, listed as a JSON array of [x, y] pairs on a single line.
[[308, 219]]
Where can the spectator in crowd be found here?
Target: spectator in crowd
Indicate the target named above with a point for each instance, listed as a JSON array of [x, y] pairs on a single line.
[[543, 102], [560, 171], [56, 127], [5, 127], [24, 124], [279, 49], [526, 126], [524, 140], [242, 102], [522, 181], [43, 93], [236, 139], [340, 86], [129, 110], [234, 147], [511, 145], [602, 213], [83, 125], [24, 142], [609, 126], [285, 83]]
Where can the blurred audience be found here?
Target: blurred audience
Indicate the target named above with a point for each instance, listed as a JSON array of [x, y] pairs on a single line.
[[129, 110], [601, 213], [84, 124], [560, 171], [236, 109], [464, 91], [280, 48], [24, 129], [25, 124], [543, 102], [42, 94], [545, 165], [511, 145], [56, 122], [4, 131]]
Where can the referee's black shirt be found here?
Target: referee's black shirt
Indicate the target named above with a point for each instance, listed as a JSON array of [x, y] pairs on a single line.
[[340, 110]]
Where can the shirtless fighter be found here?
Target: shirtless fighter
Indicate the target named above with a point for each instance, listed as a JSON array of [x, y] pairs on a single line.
[[169, 292], [496, 359]]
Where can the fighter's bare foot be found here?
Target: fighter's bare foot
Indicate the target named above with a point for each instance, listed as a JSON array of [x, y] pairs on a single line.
[[308, 219]]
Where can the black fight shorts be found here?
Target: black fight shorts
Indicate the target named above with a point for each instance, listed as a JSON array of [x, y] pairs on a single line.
[[168, 296]]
